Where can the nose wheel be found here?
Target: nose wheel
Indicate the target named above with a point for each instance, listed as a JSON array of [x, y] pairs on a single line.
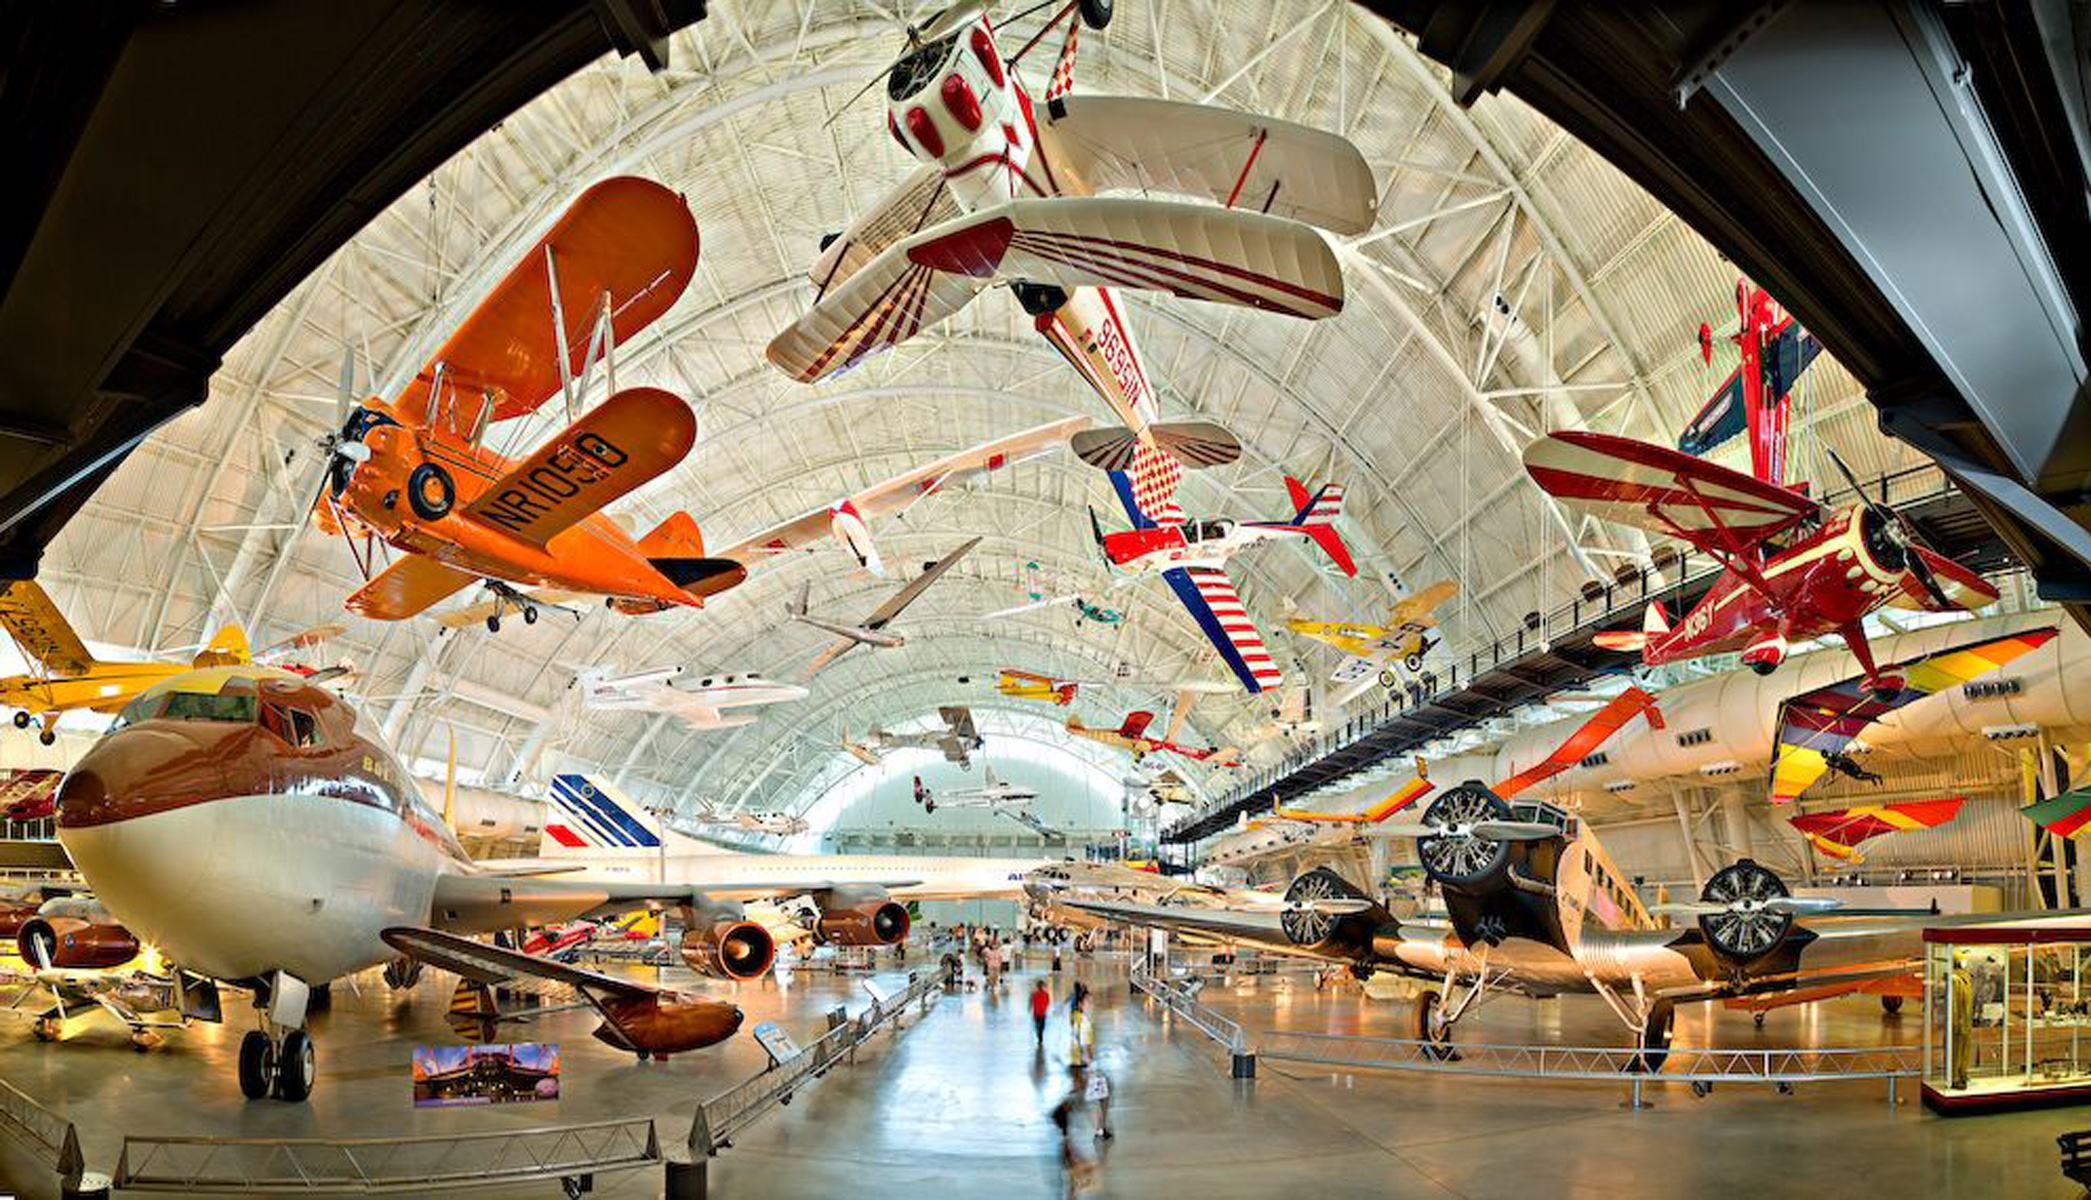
[[284, 1069]]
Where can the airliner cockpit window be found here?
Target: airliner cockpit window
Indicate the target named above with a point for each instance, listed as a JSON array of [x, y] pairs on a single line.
[[202, 706], [144, 708]]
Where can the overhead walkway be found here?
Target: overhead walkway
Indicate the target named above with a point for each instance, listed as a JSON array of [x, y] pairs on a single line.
[[1553, 651]]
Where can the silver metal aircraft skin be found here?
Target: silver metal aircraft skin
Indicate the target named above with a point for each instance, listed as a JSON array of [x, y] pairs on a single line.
[[1535, 906], [956, 741], [700, 699]]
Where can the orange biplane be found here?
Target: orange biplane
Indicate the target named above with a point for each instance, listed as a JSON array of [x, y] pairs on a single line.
[[414, 474]]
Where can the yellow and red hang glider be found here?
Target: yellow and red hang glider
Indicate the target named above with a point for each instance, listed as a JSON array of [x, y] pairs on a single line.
[[412, 473], [1817, 727], [1842, 833], [69, 678]]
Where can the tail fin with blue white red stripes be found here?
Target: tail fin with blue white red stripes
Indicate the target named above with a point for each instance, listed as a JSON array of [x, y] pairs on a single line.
[[585, 816]]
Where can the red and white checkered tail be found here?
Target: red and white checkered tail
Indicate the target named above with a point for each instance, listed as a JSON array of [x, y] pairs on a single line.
[[1063, 80], [1155, 475]]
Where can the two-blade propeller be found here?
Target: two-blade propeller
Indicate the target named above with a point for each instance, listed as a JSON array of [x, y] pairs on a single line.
[[1790, 906], [1485, 830], [1897, 530]]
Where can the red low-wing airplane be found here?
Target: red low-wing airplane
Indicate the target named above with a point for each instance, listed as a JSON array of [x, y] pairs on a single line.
[[1795, 569], [412, 471]]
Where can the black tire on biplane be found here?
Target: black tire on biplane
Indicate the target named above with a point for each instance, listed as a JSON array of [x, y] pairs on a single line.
[[1095, 13], [430, 491], [22, 720], [46, 737]]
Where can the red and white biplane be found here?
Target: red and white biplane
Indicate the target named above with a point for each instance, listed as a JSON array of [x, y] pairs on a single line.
[[1010, 193]]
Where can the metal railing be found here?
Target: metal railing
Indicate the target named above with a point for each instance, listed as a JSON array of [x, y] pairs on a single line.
[[333, 1166], [49, 1136], [1454, 668], [1701, 1068], [726, 1114]]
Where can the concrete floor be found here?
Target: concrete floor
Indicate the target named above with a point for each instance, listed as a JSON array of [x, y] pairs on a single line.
[[960, 1103]]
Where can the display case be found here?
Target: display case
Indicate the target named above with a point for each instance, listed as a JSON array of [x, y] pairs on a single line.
[[2005, 1021]]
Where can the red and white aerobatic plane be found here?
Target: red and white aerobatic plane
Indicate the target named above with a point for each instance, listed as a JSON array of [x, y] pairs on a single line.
[[1009, 194]]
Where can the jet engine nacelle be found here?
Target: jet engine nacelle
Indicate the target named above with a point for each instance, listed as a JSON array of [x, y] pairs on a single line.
[[860, 915], [71, 943], [728, 948]]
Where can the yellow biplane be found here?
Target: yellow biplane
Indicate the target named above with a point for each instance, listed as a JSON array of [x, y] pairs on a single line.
[[1374, 649], [69, 677]]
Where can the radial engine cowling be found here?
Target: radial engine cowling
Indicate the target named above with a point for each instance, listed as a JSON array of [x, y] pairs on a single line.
[[75, 944], [861, 916], [1748, 927], [728, 948]]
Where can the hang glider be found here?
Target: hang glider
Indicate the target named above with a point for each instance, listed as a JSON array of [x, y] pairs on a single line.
[[2064, 815], [1816, 728], [1842, 833]]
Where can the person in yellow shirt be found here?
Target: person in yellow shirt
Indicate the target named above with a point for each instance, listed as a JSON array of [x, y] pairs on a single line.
[[1960, 1011]]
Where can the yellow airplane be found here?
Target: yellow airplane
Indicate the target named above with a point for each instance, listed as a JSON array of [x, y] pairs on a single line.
[[71, 678], [1376, 648]]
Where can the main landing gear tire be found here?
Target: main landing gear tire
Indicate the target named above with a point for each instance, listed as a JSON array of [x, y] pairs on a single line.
[[1654, 1042], [493, 624], [1891, 1005], [1414, 663], [1763, 668], [1389, 680], [46, 1029], [295, 1067], [1424, 1026], [1095, 13], [257, 1064], [46, 737], [21, 720], [430, 492], [529, 616]]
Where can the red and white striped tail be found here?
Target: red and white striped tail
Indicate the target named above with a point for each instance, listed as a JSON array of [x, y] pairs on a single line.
[[1327, 506], [1063, 80]]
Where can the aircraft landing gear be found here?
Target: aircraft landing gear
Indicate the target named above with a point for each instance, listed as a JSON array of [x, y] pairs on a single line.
[[21, 720], [46, 1029], [48, 734], [285, 1070], [1653, 1040], [144, 1039], [1758, 1017], [1429, 1024], [1095, 13], [1890, 1005]]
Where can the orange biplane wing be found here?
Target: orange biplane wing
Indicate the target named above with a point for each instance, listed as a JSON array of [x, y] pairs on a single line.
[[626, 243], [407, 588], [615, 447]]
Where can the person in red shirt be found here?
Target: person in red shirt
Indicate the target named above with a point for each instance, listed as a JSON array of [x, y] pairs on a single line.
[[1041, 1003]]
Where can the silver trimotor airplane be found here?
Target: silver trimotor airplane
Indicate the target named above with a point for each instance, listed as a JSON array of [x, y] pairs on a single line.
[[1536, 906], [872, 632]]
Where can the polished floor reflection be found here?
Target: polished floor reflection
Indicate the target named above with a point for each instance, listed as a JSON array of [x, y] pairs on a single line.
[[959, 1105]]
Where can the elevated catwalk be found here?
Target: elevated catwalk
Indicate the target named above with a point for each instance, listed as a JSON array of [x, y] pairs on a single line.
[[958, 1106]]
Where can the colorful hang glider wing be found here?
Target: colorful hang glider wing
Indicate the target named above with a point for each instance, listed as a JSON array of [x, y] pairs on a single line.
[[1662, 490], [41, 631], [2063, 815], [1586, 739], [626, 243], [1815, 727], [1212, 601], [1839, 833], [620, 444]]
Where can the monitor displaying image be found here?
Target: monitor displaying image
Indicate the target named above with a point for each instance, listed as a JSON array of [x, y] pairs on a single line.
[[500, 1073]]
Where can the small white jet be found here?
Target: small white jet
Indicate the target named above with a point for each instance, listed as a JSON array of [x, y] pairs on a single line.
[[996, 794], [957, 739], [700, 700], [872, 632]]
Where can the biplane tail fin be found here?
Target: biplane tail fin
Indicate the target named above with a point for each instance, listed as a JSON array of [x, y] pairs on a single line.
[[1655, 625], [678, 536], [675, 547], [1315, 515], [228, 647]]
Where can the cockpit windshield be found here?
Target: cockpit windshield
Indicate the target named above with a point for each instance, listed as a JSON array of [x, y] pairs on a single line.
[[205, 706], [914, 72]]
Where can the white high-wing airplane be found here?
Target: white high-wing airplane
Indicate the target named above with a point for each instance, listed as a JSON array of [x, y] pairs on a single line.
[[698, 699], [872, 632], [956, 740], [848, 520]]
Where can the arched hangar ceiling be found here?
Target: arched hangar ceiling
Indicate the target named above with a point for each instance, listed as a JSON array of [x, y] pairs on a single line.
[[1512, 283]]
